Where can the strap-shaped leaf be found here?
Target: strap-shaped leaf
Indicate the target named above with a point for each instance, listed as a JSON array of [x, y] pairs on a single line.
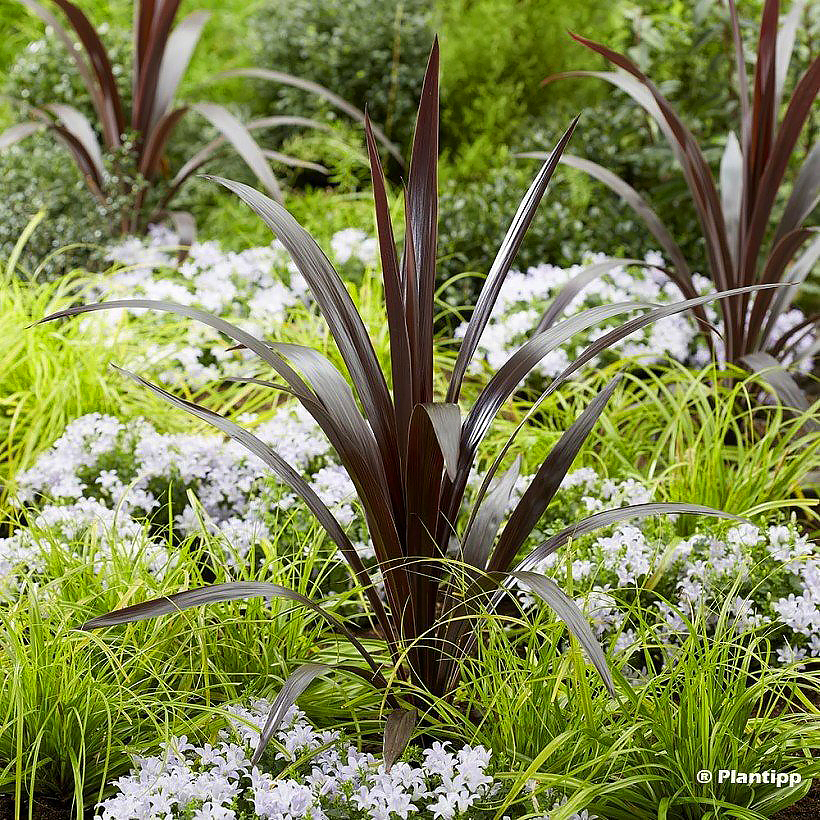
[[220, 593], [262, 349], [284, 471], [144, 11], [409, 279], [613, 336], [342, 317], [487, 516], [567, 610], [422, 205], [162, 15], [794, 119], [731, 191], [397, 732], [246, 146], [300, 389], [152, 150], [764, 115], [84, 160], [606, 518], [639, 205], [785, 47], [434, 429], [776, 264], [502, 262], [17, 132], [294, 162], [775, 375], [507, 378], [294, 686], [787, 342], [77, 124], [175, 59], [742, 76], [502, 385], [547, 480], [804, 196], [795, 276], [400, 361], [206, 153], [445, 421], [111, 113], [577, 283], [297, 682], [639, 93]]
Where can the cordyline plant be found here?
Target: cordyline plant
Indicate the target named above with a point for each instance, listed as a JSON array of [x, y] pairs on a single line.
[[744, 244], [409, 454], [162, 53]]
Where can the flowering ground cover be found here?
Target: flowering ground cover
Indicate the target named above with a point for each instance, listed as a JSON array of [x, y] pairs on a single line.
[[133, 505]]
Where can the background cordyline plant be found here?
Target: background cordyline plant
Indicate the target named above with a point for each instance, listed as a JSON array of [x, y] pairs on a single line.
[[744, 245], [410, 455], [143, 188]]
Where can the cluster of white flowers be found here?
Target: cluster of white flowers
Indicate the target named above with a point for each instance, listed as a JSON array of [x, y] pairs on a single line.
[[90, 530], [327, 777], [703, 574], [525, 296], [256, 289], [115, 475], [351, 243], [112, 477]]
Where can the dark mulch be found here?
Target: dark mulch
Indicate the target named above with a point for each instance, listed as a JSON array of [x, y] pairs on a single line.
[[807, 809], [43, 810]]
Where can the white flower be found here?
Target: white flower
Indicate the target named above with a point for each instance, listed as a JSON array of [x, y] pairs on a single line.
[[206, 782]]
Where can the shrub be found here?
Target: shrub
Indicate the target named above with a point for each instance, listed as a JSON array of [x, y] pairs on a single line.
[[371, 52], [409, 456], [38, 176], [491, 57]]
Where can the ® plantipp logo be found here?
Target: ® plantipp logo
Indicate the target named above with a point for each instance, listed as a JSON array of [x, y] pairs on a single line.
[[770, 777]]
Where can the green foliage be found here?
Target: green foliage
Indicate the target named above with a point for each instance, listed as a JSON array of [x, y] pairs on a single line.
[[718, 705], [574, 219], [706, 437], [40, 175], [49, 376], [371, 52], [74, 706], [43, 72], [495, 54], [685, 48]]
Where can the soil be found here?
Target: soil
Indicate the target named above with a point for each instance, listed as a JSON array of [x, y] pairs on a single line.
[[807, 809], [43, 810]]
